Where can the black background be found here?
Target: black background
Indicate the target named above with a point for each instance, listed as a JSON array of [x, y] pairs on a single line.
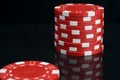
[[41, 11], [26, 32]]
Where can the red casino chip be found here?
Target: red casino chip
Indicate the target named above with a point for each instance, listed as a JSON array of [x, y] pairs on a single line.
[[82, 19], [83, 44], [77, 48], [82, 59], [79, 23], [81, 36], [96, 45], [84, 28], [78, 40], [78, 32], [79, 19], [29, 70], [78, 9], [84, 53]]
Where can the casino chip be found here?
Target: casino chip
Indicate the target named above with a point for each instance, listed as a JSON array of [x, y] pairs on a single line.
[[78, 10], [78, 40], [29, 70]]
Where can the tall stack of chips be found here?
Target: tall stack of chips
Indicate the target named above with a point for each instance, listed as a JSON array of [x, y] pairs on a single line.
[[78, 41]]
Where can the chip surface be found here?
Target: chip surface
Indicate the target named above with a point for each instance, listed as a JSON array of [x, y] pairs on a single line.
[[29, 70]]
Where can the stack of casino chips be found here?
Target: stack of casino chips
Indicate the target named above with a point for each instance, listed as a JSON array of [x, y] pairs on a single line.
[[78, 40], [29, 70]]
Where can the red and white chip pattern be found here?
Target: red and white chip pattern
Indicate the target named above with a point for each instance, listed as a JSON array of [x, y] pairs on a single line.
[[78, 40], [77, 47], [82, 19], [79, 10], [77, 26], [79, 23], [29, 70]]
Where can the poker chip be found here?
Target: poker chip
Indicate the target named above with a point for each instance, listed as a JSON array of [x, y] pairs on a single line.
[[78, 9], [77, 47], [78, 32], [85, 28], [85, 36], [78, 41], [78, 23], [29, 70], [84, 53], [79, 19]]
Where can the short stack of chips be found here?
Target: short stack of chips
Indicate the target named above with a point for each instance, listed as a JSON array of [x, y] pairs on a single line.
[[29, 70], [78, 41]]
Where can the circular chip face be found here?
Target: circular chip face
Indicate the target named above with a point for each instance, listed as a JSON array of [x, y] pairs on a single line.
[[78, 9], [29, 70]]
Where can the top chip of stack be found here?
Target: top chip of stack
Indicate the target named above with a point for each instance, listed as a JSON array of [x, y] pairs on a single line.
[[79, 10]]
